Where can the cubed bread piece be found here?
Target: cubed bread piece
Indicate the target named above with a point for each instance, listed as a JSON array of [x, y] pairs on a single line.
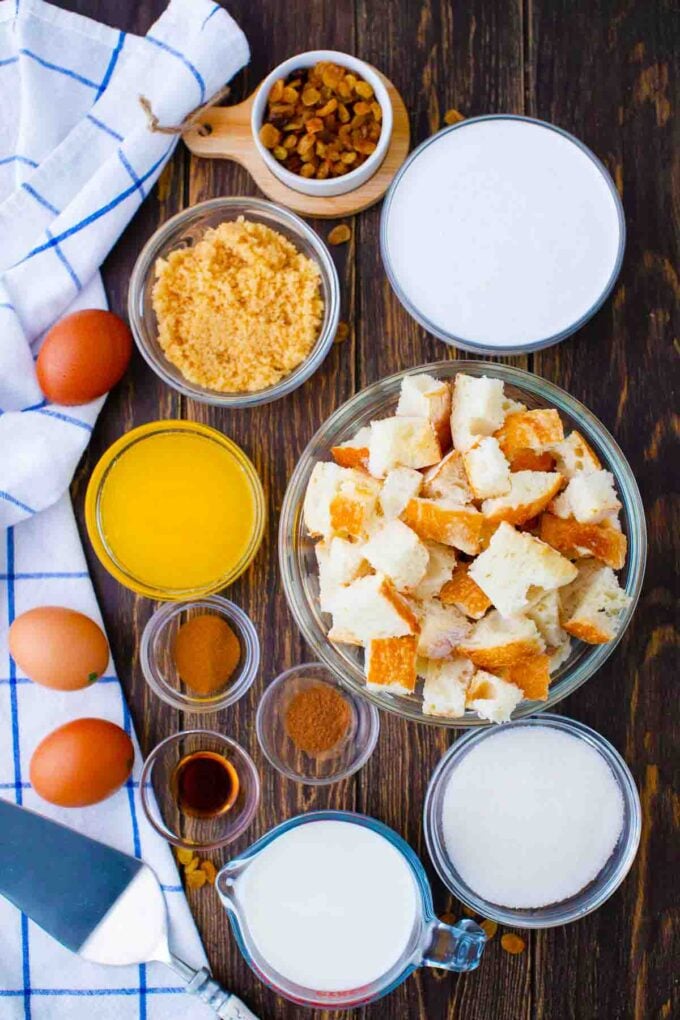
[[590, 498], [371, 607], [396, 551], [340, 562], [353, 453], [323, 485], [603, 541], [442, 628], [464, 593], [537, 431], [529, 460], [448, 480], [530, 493], [476, 409], [391, 664], [354, 506], [402, 442], [531, 675], [559, 655], [446, 685], [545, 611], [487, 469], [515, 565], [497, 641], [511, 406], [573, 456], [463, 527], [593, 603], [400, 485], [423, 396], [492, 698], [440, 569]]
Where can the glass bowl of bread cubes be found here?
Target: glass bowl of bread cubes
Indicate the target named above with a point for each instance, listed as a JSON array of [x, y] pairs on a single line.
[[463, 543]]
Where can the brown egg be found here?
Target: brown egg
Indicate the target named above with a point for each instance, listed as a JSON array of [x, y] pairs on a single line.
[[83, 356], [59, 647], [81, 763]]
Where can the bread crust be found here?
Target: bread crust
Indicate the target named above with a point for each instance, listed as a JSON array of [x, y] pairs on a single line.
[[570, 538]]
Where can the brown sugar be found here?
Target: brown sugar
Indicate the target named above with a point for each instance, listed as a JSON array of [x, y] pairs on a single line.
[[239, 310]]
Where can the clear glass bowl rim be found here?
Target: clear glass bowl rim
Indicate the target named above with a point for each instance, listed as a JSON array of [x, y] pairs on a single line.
[[98, 479], [149, 800], [598, 891], [413, 957], [344, 416], [328, 677], [238, 205], [236, 688], [475, 346]]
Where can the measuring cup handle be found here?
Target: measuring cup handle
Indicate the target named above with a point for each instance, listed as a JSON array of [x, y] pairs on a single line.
[[454, 947], [202, 984]]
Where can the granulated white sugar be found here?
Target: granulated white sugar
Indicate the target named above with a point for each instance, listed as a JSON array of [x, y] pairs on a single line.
[[530, 816], [502, 232]]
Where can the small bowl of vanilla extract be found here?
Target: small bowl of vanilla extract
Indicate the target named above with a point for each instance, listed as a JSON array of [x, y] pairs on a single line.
[[200, 790]]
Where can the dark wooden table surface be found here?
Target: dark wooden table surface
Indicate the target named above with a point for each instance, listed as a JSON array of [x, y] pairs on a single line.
[[602, 69]]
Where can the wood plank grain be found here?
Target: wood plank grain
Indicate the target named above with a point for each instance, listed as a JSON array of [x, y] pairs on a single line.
[[623, 366]]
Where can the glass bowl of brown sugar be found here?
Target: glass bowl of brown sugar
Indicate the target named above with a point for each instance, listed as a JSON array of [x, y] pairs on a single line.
[[312, 729]]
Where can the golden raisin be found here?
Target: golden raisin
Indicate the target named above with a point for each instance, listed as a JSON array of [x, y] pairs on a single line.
[[311, 96], [453, 117], [489, 928], [210, 871], [376, 110], [269, 136], [290, 141], [185, 856], [363, 89], [192, 865], [330, 107], [314, 125], [280, 153], [349, 157], [362, 109], [513, 944], [196, 879], [339, 234], [341, 333], [289, 95], [276, 91], [308, 170]]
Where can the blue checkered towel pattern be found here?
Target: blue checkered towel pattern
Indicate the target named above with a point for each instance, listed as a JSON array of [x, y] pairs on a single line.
[[76, 161]]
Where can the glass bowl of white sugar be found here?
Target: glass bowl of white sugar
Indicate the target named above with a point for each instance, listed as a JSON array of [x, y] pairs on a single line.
[[502, 234], [533, 824]]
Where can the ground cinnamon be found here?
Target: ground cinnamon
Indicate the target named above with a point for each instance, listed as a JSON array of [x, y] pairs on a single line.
[[317, 718], [206, 653]]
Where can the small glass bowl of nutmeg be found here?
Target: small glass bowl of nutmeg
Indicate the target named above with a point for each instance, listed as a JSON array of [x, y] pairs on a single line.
[[312, 729], [322, 122]]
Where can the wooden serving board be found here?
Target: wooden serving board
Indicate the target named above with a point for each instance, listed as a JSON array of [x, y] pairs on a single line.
[[230, 137]]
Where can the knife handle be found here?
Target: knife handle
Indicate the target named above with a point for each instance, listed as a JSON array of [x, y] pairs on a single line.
[[202, 984]]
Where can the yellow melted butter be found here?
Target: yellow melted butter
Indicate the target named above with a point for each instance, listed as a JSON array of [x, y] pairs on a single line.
[[177, 511]]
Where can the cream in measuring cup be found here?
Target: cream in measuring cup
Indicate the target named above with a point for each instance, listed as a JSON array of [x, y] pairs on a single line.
[[333, 908]]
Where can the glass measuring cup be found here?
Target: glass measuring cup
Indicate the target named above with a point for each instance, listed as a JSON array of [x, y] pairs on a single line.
[[431, 942]]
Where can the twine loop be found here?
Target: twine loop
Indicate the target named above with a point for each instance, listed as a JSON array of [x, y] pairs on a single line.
[[191, 120]]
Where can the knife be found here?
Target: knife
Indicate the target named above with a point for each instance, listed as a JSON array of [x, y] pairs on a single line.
[[102, 904]]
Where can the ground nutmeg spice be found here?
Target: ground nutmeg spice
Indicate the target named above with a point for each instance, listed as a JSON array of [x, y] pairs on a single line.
[[317, 718]]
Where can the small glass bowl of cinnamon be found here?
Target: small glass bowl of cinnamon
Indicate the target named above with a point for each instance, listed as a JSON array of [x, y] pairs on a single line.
[[200, 656], [312, 729]]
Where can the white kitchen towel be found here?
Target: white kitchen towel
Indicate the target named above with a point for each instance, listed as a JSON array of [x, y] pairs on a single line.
[[76, 160]]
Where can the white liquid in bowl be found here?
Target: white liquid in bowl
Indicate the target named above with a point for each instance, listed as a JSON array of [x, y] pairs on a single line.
[[330, 905], [503, 233]]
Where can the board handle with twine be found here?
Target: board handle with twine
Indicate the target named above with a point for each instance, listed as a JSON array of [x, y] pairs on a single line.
[[192, 120]]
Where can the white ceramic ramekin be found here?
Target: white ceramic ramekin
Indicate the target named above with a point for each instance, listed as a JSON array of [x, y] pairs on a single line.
[[335, 185]]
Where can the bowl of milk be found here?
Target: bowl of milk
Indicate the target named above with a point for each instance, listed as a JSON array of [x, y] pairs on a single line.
[[502, 234], [333, 909], [535, 823]]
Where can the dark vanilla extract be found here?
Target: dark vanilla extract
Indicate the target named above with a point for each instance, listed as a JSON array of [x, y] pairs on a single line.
[[205, 784]]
